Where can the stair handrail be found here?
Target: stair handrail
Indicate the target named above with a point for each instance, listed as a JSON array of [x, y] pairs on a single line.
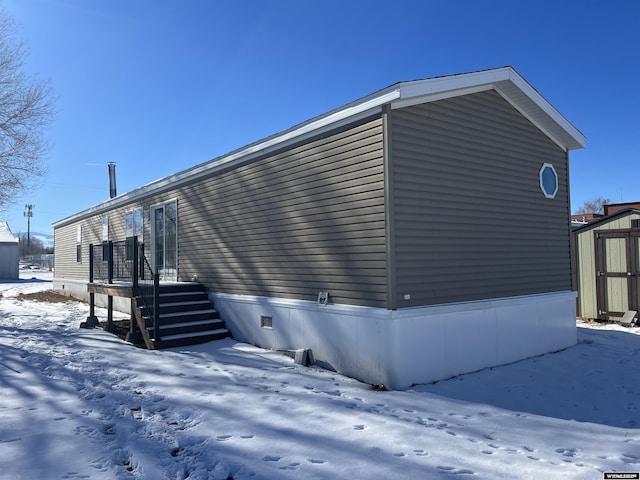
[[146, 283]]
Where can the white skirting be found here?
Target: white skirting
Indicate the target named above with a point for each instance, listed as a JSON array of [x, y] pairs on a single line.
[[409, 346]]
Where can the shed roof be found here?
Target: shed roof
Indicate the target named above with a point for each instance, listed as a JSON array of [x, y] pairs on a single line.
[[5, 234], [607, 218], [506, 81]]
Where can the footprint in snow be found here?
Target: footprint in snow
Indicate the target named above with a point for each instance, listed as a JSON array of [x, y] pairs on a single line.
[[223, 438], [315, 460], [630, 459], [271, 458], [456, 471], [74, 475], [359, 427], [568, 452], [108, 429]]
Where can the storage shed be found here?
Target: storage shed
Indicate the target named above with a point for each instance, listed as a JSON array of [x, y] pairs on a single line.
[[607, 262], [9, 253], [386, 235]]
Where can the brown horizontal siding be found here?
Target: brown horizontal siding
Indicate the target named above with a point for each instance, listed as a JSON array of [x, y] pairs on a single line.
[[66, 265], [289, 225], [470, 220], [293, 224]]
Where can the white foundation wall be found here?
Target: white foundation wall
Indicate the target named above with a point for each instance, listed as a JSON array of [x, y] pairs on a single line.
[[409, 346]]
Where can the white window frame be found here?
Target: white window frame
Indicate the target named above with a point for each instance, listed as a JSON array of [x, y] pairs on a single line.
[[545, 167]]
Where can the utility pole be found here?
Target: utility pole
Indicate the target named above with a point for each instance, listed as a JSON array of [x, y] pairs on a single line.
[[28, 212]]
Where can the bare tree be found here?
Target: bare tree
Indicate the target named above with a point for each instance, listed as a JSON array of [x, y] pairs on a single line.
[[32, 246], [26, 110], [595, 205]]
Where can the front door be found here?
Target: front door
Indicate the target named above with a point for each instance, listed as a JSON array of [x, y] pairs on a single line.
[[617, 270], [164, 240]]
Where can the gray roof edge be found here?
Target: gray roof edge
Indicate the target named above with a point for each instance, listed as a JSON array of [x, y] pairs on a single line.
[[422, 90]]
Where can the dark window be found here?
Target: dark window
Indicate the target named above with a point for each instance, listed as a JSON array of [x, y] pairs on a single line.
[[79, 244], [105, 251]]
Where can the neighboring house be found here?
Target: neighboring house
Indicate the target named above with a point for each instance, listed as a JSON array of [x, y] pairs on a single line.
[[616, 207], [9, 253], [404, 206], [607, 265], [580, 219]]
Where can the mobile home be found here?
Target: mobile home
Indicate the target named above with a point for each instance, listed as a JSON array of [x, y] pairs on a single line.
[[387, 235]]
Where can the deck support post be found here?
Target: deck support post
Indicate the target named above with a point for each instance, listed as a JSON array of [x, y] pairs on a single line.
[[92, 320], [134, 335], [110, 327]]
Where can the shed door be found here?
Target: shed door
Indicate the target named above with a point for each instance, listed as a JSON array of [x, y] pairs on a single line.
[[617, 269]]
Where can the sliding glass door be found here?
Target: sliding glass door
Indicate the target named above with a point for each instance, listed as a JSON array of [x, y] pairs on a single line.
[[164, 240]]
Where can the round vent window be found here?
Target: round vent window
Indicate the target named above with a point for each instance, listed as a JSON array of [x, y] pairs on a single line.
[[548, 180]]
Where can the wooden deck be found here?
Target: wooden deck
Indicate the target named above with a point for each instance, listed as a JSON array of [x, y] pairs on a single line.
[[112, 289]]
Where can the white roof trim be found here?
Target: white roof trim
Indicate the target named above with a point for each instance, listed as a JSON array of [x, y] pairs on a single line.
[[505, 81], [549, 109], [312, 128]]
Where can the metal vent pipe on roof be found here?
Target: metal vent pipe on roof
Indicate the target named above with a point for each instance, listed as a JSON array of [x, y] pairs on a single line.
[[112, 179]]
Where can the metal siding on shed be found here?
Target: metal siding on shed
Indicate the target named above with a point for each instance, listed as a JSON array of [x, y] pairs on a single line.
[[305, 220], [471, 221], [9, 260]]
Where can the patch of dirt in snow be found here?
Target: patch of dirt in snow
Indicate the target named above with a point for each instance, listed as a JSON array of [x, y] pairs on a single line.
[[120, 328], [48, 296]]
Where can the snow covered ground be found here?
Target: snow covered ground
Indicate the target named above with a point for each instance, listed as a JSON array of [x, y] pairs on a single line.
[[83, 404]]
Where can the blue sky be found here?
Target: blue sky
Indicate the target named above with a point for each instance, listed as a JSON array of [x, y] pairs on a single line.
[[158, 86]]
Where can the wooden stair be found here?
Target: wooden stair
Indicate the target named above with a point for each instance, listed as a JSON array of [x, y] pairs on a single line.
[[187, 317]]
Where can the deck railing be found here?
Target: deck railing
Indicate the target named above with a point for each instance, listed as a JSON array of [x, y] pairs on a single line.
[[114, 261], [125, 261], [148, 287]]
